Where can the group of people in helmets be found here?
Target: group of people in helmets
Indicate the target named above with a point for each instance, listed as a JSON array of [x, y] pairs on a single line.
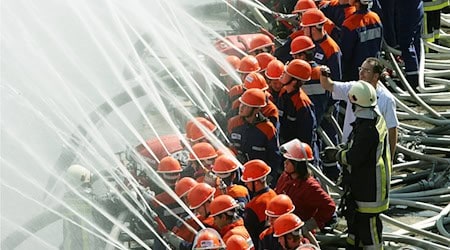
[[254, 189]]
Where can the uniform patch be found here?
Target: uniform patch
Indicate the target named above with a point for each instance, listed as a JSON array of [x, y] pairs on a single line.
[[319, 56]]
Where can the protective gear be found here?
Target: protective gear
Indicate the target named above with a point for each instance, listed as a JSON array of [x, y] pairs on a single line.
[[299, 69], [329, 154], [279, 205], [286, 223], [309, 225], [307, 246], [169, 164], [260, 41], [274, 69], [297, 151], [248, 64], [254, 98], [221, 204], [79, 173], [300, 44], [255, 170], [313, 17], [363, 94], [224, 164], [208, 238], [234, 62], [255, 81], [194, 132], [237, 242], [304, 5], [203, 151], [184, 186], [264, 59], [201, 193]]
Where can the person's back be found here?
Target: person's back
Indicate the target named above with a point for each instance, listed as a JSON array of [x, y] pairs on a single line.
[[361, 38]]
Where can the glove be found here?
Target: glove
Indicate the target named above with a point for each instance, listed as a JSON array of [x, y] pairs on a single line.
[[325, 71], [329, 154], [211, 179], [309, 225], [173, 239]]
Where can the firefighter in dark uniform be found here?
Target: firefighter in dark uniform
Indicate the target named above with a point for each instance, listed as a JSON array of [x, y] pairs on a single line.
[[252, 135], [361, 38], [367, 170], [255, 178]]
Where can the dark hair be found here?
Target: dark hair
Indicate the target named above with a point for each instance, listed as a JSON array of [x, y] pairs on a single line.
[[301, 169], [377, 66]]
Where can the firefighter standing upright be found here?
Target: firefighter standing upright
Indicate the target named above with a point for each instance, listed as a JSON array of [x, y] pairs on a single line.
[[367, 170]]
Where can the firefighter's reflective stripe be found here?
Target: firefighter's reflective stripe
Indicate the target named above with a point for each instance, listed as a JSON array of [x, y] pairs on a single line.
[[435, 5], [313, 89]]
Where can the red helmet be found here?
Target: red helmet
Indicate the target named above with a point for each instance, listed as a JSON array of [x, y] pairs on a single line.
[[203, 151], [297, 151], [254, 98], [224, 164], [260, 41], [208, 238], [300, 44], [304, 5], [279, 205], [274, 70], [264, 59], [286, 223], [221, 204], [237, 242], [299, 69], [248, 64], [184, 186], [313, 17], [255, 81], [169, 164], [201, 193], [234, 62], [194, 131], [255, 170]]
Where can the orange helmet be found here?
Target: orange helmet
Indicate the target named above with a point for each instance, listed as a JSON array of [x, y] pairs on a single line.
[[304, 5], [279, 205], [234, 62], [221, 204], [184, 185], [297, 151], [194, 130], [237, 242], [224, 164], [260, 41], [208, 238], [313, 17], [255, 170], [255, 81], [274, 70], [199, 194], [286, 223], [299, 69], [248, 64], [264, 59], [169, 164], [300, 44], [203, 151], [254, 98]]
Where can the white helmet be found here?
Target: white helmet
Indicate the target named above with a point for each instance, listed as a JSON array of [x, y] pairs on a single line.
[[79, 173], [363, 94]]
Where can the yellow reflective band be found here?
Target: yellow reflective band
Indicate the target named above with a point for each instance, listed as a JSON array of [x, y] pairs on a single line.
[[435, 5]]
